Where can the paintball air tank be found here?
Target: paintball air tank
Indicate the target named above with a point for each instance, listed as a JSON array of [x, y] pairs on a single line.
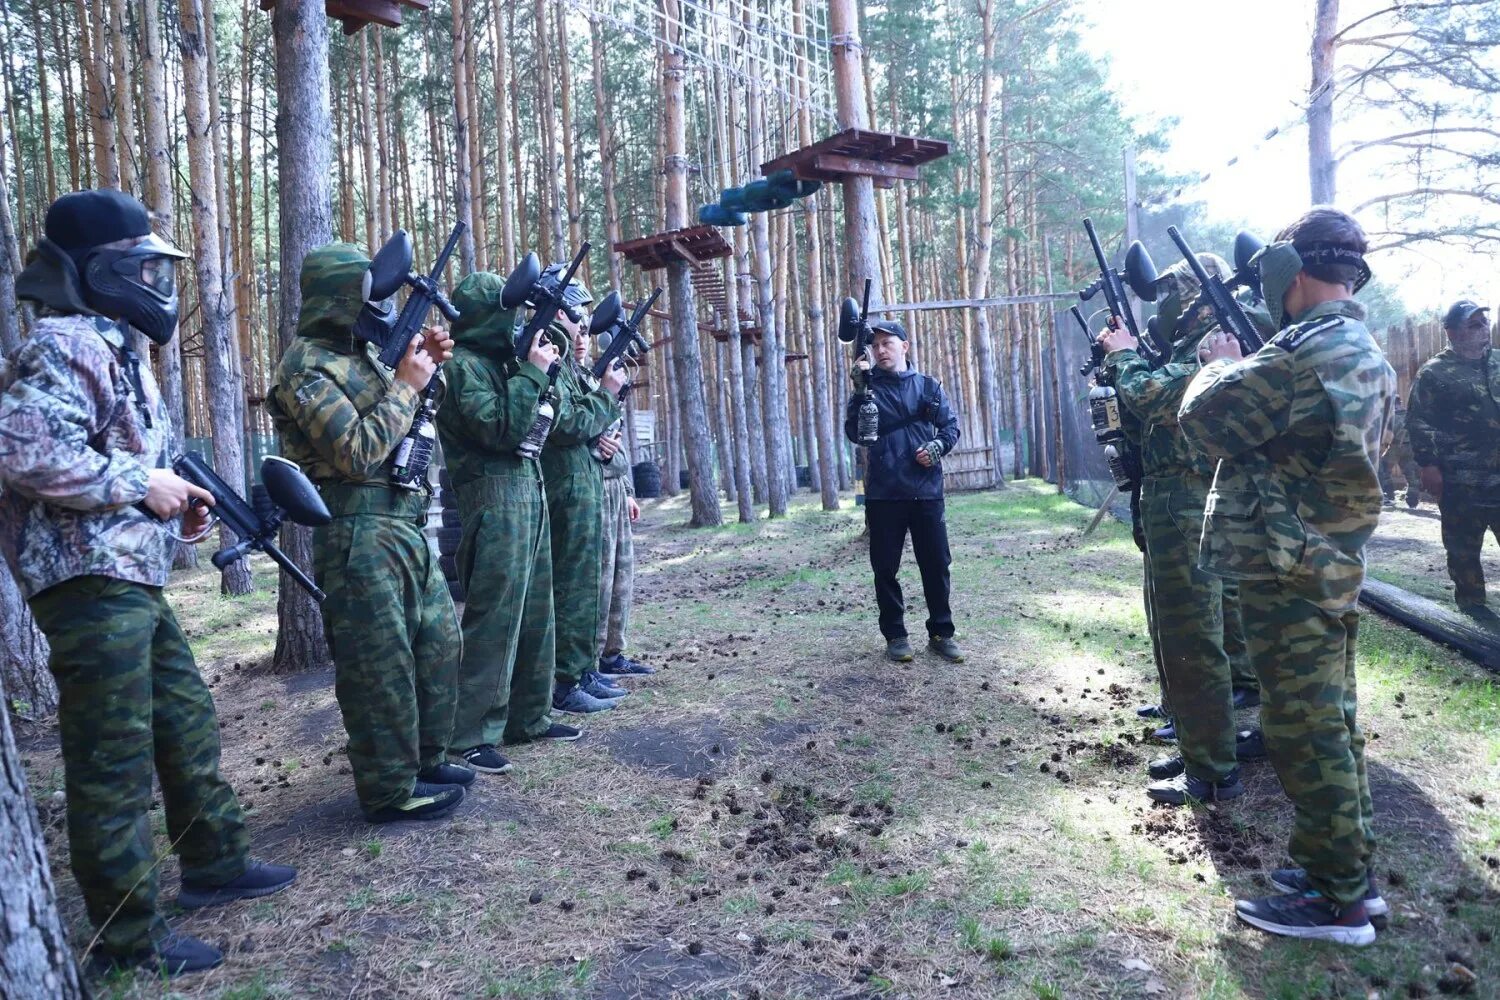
[[854, 328]]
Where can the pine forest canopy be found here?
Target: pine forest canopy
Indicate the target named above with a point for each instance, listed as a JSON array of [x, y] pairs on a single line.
[[563, 140]]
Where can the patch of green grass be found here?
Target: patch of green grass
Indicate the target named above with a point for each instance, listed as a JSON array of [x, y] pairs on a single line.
[[741, 903], [903, 885], [258, 988], [663, 826], [790, 930], [996, 948], [361, 898], [372, 848]]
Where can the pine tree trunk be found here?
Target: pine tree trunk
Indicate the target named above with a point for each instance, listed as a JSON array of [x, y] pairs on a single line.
[[570, 166], [124, 95], [367, 132], [1321, 164], [698, 439], [505, 255], [303, 129], [984, 215], [547, 123], [462, 126], [35, 960], [94, 43]]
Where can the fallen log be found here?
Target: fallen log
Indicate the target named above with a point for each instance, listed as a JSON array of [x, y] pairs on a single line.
[[1430, 619]]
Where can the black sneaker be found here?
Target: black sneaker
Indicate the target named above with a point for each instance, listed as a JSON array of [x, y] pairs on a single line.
[[1163, 768], [487, 759], [1167, 733], [1308, 915], [944, 646], [444, 773], [1413, 498], [899, 650], [258, 879], [1151, 712], [1185, 788], [561, 733], [1295, 880], [1250, 744], [1246, 698], [173, 955], [621, 665], [426, 802]]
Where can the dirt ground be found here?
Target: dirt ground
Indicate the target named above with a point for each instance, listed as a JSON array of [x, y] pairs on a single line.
[[781, 813], [1407, 551]]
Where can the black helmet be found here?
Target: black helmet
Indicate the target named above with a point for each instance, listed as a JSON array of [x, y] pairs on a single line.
[[136, 283]]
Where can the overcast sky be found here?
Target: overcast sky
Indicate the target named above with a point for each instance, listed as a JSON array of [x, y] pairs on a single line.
[[1230, 72]]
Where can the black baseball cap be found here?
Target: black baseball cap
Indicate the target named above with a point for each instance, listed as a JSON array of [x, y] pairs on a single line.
[[1461, 312], [85, 219], [889, 327]]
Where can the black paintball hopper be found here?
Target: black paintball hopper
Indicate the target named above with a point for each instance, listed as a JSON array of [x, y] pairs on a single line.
[[291, 490], [1140, 272], [390, 268], [606, 314], [849, 320], [1246, 246], [521, 281]]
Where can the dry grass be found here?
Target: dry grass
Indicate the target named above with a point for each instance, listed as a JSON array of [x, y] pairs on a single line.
[[782, 813]]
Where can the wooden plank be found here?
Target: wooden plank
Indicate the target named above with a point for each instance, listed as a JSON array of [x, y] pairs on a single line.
[[1003, 300], [1430, 619], [833, 163]]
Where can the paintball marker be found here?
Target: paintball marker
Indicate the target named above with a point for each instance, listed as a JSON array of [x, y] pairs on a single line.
[[1142, 273], [621, 338], [546, 292], [1215, 292], [854, 328], [389, 270], [1104, 414], [284, 493]]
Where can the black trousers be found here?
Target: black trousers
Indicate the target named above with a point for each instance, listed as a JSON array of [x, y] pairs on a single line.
[[889, 522]]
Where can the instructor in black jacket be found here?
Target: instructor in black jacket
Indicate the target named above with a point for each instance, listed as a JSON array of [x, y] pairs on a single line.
[[904, 487]]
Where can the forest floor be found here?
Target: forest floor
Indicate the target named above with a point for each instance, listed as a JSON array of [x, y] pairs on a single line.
[[780, 812]]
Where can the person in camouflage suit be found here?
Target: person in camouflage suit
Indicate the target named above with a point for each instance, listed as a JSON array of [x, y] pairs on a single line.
[[1298, 429], [1398, 457], [1195, 615], [1454, 423], [388, 618], [575, 500], [505, 555], [84, 490], [617, 570]]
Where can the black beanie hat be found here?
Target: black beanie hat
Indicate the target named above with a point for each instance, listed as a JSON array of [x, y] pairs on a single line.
[[86, 219]]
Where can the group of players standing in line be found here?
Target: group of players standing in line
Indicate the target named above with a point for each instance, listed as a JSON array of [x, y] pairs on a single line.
[[546, 556], [1260, 488]]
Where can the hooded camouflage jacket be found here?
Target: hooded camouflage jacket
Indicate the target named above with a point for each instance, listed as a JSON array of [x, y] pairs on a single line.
[[1454, 422], [584, 411], [338, 412], [1300, 427], [77, 444], [492, 399], [1154, 394]]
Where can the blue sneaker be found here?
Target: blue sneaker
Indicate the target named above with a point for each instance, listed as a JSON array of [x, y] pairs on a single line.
[[621, 665], [1167, 733], [600, 686], [574, 700]]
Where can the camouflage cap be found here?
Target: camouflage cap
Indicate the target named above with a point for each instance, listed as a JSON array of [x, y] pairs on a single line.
[[332, 291], [484, 322]]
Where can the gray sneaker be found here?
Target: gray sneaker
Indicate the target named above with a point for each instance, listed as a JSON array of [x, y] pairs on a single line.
[[1296, 880], [576, 701], [944, 646], [898, 650], [602, 688]]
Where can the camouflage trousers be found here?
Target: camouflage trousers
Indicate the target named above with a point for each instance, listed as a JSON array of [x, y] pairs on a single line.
[[394, 638], [1305, 659], [573, 503], [505, 563], [1464, 525], [616, 572], [132, 697], [1188, 618]]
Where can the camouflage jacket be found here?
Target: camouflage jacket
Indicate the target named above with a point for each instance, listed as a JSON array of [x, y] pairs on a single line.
[[492, 399], [584, 411], [1155, 394], [618, 467], [77, 443], [1454, 421], [1299, 427], [338, 412]]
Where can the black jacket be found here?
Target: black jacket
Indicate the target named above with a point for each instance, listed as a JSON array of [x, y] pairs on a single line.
[[913, 411]]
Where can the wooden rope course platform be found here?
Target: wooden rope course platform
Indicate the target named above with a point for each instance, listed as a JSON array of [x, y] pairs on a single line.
[[355, 14], [856, 152], [692, 246]]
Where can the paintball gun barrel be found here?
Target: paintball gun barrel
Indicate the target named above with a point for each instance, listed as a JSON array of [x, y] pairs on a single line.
[[1215, 292], [854, 328]]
